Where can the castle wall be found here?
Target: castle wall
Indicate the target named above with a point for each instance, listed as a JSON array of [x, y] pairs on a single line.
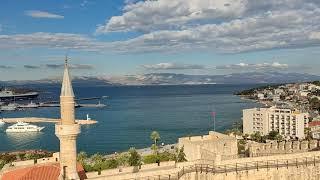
[[285, 167], [273, 148], [209, 146], [282, 173]]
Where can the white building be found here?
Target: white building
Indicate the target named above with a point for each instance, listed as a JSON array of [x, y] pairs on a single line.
[[278, 91], [304, 93], [260, 96], [287, 122], [315, 129]]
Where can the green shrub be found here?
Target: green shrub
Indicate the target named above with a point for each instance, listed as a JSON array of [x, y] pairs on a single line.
[[88, 167], [149, 159], [135, 158]]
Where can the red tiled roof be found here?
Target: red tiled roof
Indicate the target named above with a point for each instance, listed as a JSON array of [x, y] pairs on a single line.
[[40, 172], [314, 123]]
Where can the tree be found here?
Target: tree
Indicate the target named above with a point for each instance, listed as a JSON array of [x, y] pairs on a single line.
[[245, 136], [181, 156], [123, 159], [82, 156], [155, 136], [97, 158], [154, 148], [28, 156], [135, 158], [273, 135], [308, 133], [257, 137]]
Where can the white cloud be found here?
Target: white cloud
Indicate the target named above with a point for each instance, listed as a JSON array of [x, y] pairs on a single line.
[[43, 14], [223, 26], [72, 66], [51, 40], [173, 66], [6, 67], [166, 14], [31, 67], [254, 67], [261, 25]]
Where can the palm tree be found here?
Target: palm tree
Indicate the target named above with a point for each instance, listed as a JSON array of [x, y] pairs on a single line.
[[155, 136]]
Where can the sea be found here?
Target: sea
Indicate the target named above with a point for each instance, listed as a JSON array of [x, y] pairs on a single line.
[[132, 113]]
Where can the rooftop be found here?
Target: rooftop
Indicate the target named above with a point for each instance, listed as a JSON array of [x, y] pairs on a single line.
[[49, 171]]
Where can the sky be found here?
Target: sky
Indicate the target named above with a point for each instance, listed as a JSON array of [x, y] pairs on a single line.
[[127, 37]]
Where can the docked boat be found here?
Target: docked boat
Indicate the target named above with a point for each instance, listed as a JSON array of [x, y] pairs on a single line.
[[100, 105], [10, 95], [30, 105], [9, 107], [24, 127]]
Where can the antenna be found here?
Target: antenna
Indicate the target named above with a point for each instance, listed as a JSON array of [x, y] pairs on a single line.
[[67, 58]]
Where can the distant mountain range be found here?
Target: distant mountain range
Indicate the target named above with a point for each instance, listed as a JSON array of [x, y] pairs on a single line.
[[179, 79]]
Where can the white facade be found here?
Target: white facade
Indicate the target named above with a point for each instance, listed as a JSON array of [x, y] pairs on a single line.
[[260, 96], [287, 122], [304, 93]]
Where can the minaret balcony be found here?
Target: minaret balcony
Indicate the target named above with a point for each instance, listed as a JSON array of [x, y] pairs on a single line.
[[67, 130]]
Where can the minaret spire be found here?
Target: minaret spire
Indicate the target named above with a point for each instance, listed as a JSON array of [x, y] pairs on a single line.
[[67, 129], [66, 89]]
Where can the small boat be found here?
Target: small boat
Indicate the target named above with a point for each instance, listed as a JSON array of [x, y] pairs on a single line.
[[30, 105], [9, 107], [10, 95], [99, 105], [23, 127]]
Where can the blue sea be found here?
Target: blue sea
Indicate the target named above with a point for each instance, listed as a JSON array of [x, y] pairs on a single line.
[[133, 112]]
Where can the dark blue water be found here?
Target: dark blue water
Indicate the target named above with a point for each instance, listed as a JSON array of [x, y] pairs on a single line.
[[133, 113]]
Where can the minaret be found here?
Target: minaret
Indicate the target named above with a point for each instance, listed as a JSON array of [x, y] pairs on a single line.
[[67, 130]]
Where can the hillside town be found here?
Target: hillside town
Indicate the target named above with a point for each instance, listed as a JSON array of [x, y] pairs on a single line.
[[292, 110]]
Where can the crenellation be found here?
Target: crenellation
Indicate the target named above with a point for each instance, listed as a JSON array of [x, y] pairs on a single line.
[[295, 145], [304, 145], [313, 144], [283, 147]]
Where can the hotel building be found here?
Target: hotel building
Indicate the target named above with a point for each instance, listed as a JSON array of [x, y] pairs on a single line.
[[287, 122]]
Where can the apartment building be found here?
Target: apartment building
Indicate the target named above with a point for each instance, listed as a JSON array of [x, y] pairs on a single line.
[[289, 123]]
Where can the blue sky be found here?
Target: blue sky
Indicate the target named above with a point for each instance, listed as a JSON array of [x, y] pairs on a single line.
[[121, 37]]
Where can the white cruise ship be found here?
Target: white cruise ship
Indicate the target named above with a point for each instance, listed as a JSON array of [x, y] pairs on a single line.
[[24, 127]]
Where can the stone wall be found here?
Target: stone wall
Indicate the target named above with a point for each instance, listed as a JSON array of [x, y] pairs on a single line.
[[209, 146], [289, 166], [283, 147], [282, 173]]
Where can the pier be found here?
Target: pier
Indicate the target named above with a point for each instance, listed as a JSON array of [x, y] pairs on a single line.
[[44, 120]]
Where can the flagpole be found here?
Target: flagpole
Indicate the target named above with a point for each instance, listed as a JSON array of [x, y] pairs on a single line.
[[213, 114], [214, 122]]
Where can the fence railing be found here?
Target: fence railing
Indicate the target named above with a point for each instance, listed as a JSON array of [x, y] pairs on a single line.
[[236, 167]]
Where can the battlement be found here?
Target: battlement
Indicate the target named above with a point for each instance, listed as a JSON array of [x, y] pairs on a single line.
[[283, 147], [212, 136]]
